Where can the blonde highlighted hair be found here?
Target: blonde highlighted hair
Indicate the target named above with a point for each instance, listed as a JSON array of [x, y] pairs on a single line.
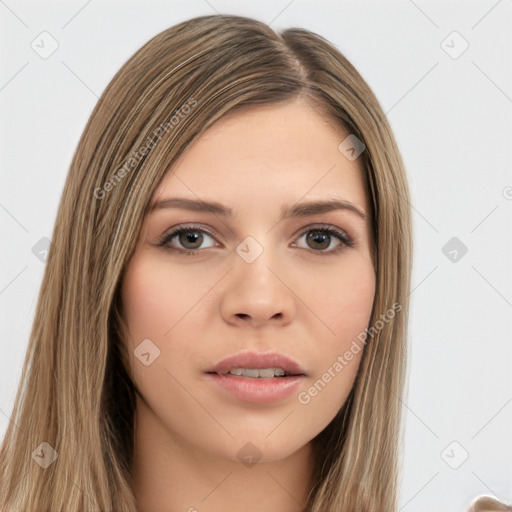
[[75, 392]]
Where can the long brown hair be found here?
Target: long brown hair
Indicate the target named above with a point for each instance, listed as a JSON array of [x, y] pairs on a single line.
[[76, 400]]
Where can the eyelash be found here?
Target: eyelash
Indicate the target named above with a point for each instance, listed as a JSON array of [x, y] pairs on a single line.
[[325, 229]]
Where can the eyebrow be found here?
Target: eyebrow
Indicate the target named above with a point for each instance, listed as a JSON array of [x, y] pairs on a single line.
[[296, 210]]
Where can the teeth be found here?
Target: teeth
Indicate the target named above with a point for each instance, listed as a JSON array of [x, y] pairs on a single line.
[[255, 373]]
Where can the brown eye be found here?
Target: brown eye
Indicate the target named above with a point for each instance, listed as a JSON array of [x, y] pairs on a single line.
[[191, 237], [189, 240], [318, 240], [186, 239], [326, 240]]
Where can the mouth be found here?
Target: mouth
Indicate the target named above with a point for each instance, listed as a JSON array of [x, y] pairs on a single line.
[[257, 377], [258, 373], [254, 388], [254, 365]]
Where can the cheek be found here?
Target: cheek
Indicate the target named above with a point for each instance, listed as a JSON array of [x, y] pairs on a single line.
[[154, 299], [346, 300], [345, 308], [166, 307], [151, 309]]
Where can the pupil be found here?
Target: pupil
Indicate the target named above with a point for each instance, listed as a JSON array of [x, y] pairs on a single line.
[[191, 237], [315, 235]]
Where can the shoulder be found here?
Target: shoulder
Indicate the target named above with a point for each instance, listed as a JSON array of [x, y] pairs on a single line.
[[488, 504]]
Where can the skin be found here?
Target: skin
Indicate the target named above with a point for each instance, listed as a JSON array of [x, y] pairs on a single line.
[[302, 300]]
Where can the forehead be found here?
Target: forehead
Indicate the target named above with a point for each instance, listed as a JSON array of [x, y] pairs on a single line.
[[264, 155]]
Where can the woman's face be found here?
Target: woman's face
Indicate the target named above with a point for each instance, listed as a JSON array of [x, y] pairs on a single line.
[[252, 280]]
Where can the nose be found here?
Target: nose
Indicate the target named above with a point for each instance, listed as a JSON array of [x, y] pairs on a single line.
[[258, 293]]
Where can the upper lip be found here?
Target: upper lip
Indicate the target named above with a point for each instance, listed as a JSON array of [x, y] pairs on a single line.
[[258, 360]]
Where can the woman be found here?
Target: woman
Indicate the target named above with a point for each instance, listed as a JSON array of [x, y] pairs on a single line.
[[223, 314]]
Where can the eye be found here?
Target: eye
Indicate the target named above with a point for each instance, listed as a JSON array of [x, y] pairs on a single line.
[[189, 237], [319, 238]]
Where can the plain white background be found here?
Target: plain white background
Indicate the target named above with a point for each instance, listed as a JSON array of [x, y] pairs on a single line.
[[451, 111]]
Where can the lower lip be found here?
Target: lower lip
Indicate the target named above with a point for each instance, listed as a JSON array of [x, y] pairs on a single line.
[[258, 390]]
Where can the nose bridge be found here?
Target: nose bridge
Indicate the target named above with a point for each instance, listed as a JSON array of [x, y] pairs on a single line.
[[256, 291], [255, 254], [256, 264]]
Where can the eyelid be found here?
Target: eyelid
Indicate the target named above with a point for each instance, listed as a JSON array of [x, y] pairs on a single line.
[[345, 239], [175, 230], [190, 227]]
